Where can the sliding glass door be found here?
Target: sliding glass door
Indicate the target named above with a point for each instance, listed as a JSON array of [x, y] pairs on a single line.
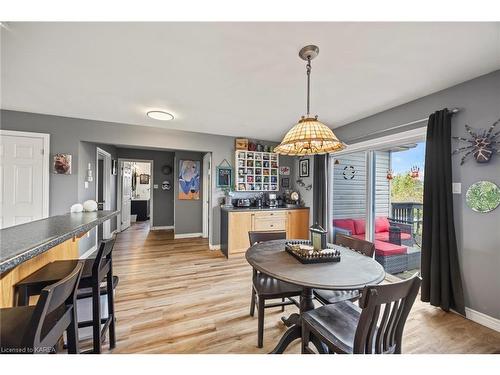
[[376, 195]]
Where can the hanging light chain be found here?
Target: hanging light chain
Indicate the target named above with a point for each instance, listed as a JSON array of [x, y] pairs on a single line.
[[308, 70]]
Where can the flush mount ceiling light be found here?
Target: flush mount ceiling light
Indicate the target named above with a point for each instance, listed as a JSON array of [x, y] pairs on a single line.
[[160, 115], [309, 136]]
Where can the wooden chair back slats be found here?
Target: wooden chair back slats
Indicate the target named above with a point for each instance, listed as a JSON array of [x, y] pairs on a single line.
[[60, 295], [379, 331], [103, 255], [361, 246], [380, 344], [262, 236], [372, 328], [62, 290]]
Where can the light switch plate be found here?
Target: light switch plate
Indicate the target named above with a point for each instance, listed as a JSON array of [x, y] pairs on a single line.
[[155, 186], [456, 187], [86, 184]]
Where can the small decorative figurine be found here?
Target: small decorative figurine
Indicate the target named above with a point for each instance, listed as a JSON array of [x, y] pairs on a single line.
[[390, 174], [318, 237], [414, 172], [90, 205], [482, 145], [77, 207]]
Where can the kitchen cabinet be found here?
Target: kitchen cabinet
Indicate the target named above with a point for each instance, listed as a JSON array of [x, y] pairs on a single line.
[[236, 223]]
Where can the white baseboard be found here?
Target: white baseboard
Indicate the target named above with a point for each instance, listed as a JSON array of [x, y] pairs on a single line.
[[187, 235], [162, 227], [86, 254], [214, 247], [483, 319]]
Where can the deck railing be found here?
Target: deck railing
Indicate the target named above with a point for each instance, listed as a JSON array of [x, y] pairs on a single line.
[[409, 213]]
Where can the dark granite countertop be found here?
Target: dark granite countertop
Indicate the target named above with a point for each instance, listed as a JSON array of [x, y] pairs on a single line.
[[22, 242], [238, 209]]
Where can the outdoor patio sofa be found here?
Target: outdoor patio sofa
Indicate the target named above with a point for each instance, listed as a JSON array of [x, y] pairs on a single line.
[[393, 242]]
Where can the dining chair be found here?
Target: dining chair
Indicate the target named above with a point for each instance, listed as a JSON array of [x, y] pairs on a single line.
[[95, 270], [38, 329], [265, 287], [366, 248], [375, 327]]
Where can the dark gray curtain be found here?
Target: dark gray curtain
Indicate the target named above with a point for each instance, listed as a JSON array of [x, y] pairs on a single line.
[[441, 281], [320, 190]]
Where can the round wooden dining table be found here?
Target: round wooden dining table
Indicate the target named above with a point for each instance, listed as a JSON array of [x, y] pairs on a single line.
[[353, 272]]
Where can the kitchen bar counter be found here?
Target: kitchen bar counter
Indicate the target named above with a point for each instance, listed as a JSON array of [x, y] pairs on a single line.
[[23, 242]]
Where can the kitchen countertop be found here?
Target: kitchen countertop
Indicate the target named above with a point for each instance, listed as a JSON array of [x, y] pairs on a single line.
[[23, 242], [261, 208]]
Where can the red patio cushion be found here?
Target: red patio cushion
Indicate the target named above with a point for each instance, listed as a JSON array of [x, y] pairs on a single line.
[[387, 249], [359, 225], [384, 236], [344, 224], [381, 224]]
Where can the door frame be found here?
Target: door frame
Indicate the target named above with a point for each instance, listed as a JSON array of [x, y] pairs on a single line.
[[119, 193], [106, 226], [207, 196], [46, 163]]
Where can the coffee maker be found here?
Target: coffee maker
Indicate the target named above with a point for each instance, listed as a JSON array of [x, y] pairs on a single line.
[[272, 201]]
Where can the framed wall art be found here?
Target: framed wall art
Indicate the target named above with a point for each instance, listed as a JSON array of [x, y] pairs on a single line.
[[304, 168], [285, 182], [224, 175], [189, 180], [62, 164], [483, 196]]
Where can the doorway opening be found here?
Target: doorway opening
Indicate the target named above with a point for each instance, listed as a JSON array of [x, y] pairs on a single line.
[[135, 192], [103, 190]]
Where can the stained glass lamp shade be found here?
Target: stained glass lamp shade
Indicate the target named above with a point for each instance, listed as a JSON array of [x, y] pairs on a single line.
[[309, 137]]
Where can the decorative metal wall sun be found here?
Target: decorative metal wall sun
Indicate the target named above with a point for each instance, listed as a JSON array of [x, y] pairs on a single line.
[[482, 145]]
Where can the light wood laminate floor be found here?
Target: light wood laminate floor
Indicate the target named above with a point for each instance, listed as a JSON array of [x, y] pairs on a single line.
[[177, 296]]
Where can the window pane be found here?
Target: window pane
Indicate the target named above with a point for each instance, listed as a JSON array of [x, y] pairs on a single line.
[[349, 194], [398, 206]]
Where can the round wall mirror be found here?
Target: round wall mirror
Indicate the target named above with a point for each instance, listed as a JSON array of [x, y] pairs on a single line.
[[483, 196]]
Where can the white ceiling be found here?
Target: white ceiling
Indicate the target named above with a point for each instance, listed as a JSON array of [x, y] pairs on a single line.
[[238, 79]]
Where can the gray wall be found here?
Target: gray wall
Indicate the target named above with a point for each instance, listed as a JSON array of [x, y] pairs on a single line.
[[67, 133], [305, 195], [163, 200], [188, 213], [478, 235], [87, 153]]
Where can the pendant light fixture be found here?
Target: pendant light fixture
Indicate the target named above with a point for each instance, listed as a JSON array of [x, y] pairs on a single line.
[[309, 136]]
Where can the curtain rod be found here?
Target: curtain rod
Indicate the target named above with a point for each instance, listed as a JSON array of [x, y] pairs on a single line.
[[453, 111]]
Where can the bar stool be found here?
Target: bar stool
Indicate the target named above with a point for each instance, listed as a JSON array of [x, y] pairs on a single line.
[[95, 270], [37, 329]]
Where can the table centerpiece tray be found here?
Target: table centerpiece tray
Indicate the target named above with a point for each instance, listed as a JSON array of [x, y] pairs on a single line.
[[303, 251]]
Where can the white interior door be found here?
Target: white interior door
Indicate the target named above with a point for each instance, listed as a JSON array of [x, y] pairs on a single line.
[[22, 179], [126, 194]]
